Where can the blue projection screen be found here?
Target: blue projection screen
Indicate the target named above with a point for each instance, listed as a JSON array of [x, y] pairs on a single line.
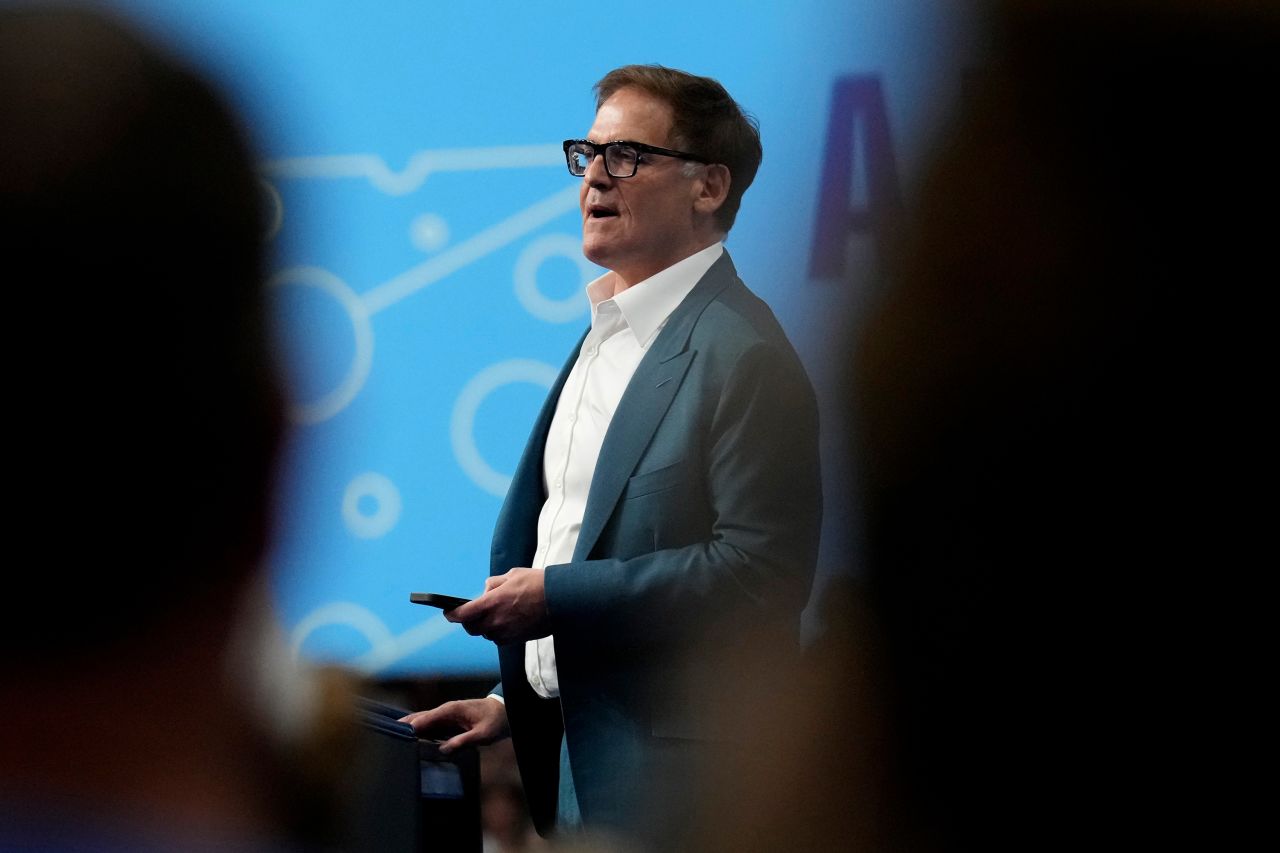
[[428, 281]]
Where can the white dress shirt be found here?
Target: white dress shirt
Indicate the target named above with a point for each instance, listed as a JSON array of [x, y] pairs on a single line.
[[622, 328]]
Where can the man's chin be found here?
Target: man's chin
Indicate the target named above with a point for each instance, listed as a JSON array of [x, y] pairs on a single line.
[[597, 252]]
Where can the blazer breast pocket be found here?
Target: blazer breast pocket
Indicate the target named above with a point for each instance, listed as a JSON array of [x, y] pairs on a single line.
[[657, 480]]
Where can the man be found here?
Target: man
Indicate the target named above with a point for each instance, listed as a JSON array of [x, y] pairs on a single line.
[[668, 502]]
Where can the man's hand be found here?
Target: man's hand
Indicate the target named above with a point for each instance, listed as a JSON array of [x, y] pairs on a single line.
[[513, 608], [482, 721]]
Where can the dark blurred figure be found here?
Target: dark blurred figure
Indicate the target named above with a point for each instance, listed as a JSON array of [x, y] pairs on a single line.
[[142, 427], [1055, 405], [1056, 401]]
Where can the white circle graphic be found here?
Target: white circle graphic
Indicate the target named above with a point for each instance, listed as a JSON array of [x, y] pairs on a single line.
[[336, 400], [347, 614], [429, 232], [532, 257], [462, 424], [386, 500]]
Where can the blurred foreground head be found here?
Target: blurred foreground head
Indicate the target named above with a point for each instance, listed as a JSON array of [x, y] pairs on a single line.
[[1054, 405], [142, 421], [143, 417]]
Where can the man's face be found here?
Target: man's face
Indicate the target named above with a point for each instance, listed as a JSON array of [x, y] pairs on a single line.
[[640, 225]]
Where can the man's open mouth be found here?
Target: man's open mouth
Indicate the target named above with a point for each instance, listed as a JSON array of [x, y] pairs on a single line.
[[597, 211]]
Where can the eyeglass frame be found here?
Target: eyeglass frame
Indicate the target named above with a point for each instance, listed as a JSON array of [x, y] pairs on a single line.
[[600, 149]]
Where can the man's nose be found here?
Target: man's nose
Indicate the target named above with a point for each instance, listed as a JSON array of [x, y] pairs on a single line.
[[597, 175]]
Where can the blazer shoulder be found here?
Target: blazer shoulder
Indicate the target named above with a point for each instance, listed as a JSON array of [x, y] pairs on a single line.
[[738, 321]]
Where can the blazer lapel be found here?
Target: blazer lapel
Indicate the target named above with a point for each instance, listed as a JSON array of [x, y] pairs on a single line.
[[645, 402]]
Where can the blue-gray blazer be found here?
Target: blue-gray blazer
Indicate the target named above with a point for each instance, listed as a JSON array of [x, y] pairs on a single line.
[[702, 519]]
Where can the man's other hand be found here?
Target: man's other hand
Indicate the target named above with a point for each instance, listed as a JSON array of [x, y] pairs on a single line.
[[513, 608], [482, 721]]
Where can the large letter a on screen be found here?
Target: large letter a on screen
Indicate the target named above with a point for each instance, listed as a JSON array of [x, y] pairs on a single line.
[[859, 184]]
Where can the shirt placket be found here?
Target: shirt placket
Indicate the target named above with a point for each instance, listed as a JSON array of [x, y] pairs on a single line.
[[591, 353], [556, 483]]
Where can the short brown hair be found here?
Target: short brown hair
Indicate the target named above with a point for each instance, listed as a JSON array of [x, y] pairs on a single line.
[[705, 121]]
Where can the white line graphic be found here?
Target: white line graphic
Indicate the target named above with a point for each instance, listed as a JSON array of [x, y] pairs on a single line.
[[346, 613], [385, 648], [360, 308], [420, 166], [418, 637], [473, 249]]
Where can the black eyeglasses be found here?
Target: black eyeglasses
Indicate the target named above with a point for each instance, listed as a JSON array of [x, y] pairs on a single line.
[[621, 158]]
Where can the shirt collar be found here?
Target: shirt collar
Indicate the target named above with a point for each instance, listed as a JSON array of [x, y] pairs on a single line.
[[646, 305]]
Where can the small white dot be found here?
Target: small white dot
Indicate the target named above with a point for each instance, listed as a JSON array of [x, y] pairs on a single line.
[[429, 232]]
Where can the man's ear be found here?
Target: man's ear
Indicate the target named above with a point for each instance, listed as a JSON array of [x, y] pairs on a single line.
[[712, 188]]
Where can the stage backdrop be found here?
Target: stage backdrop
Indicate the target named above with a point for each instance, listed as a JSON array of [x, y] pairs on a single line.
[[428, 280]]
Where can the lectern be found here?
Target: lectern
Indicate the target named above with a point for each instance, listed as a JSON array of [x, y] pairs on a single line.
[[409, 797]]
